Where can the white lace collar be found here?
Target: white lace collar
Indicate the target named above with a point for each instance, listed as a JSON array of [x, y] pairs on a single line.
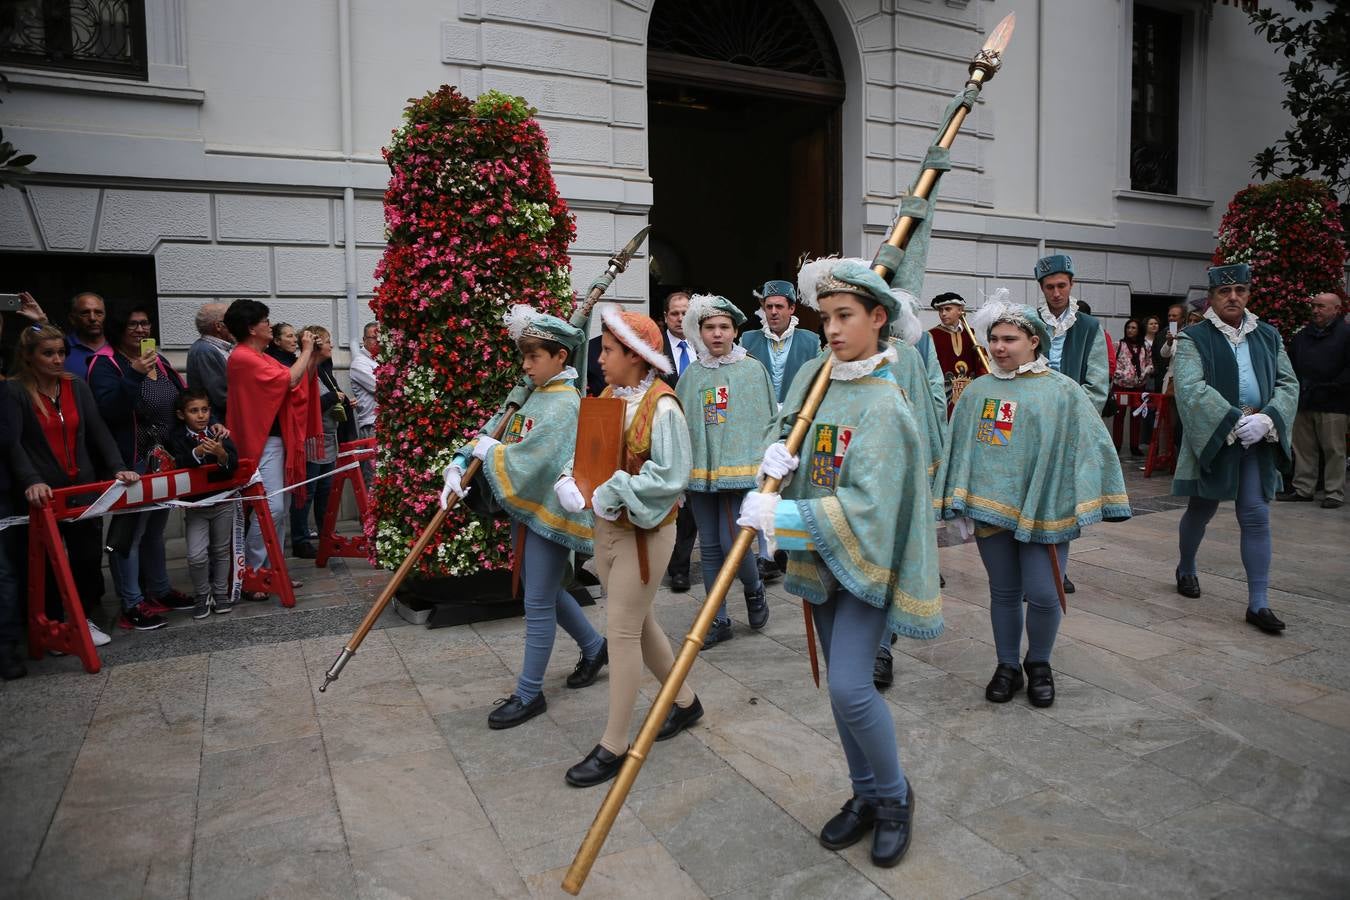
[[1235, 335], [567, 374], [1061, 324], [776, 338], [637, 390], [1036, 366], [859, 368], [708, 361]]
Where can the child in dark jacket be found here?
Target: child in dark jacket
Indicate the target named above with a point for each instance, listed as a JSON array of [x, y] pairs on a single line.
[[197, 441]]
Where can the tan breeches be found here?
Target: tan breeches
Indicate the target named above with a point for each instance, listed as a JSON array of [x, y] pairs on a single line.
[[631, 629]]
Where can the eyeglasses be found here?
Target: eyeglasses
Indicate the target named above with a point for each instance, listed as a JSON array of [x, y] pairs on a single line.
[[137, 326]]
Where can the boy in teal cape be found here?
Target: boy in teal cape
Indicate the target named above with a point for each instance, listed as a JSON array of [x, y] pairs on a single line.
[[1237, 396], [857, 522], [520, 471], [731, 413], [1029, 464]]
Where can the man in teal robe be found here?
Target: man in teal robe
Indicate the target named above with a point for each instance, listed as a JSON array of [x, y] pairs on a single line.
[[780, 344]]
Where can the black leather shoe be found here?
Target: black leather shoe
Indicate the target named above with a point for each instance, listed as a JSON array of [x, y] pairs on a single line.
[[891, 833], [679, 582], [1293, 497], [1068, 585], [1330, 503], [1007, 681], [1040, 683], [512, 711], [305, 550], [598, 767], [853, 821], [757, 611], [883, 672], [11, 663], [1266, 620], [719, 632], [680, 719], [1188, 585], [588, 670], [768, 570]]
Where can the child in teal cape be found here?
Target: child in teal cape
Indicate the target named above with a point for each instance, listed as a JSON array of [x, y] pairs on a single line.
[[520, 471], [731, 413], [856, 519]]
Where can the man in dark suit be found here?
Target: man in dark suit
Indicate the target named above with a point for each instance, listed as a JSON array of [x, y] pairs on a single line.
[[681, 352]]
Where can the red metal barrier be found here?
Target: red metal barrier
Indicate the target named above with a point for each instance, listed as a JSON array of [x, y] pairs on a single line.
[[1160, 453], [45, 547], [330, 542]]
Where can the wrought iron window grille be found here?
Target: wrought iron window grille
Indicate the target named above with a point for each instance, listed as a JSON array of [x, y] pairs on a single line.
[[94, 36]]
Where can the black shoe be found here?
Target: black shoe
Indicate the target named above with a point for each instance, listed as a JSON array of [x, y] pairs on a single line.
[[304, 550], [1330, 503], [853, 821], [511, 712], [1007, 681], [139, 619], [680, 719], [891, 833], [1293, 497], [719, 632], [1040, 683], [942, 582], [883, 674], [768, 570], [679, 582], [598, 767], [1266, 620], [757, 611], [1188, 585], [177, 601], [588, 670], [1068, 585], [11, 663]]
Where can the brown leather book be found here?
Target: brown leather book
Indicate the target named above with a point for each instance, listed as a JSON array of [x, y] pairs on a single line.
[[599, 447]]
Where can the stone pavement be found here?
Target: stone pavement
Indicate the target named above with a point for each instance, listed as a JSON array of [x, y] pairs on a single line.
[[1186, 754]]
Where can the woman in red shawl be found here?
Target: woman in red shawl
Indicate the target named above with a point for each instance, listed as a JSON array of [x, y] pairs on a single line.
[[270, 411]]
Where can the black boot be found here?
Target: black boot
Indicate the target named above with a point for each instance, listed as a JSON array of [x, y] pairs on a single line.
[[588, 670], [853, 821], [513, 711], [598, 767], [1007, 681], [1040, 683], [883, 671], [680, 719], [11, 662], [756, 609], [891, 833]]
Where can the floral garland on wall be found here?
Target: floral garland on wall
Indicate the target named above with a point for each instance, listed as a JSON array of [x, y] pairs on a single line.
[[1290, 233], [474, 224]]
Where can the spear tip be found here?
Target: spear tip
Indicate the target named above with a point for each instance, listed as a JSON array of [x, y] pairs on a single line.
[[1002, 34]]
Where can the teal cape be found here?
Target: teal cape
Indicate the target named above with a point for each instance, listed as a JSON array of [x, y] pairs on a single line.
[[862, 500], [805, 347], [911, 371], [1085, 360], [1030, 454], [1204, 371], [731, 413]]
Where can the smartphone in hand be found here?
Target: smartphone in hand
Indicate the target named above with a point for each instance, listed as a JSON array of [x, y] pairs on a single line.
[[10, 303], [147, 346]]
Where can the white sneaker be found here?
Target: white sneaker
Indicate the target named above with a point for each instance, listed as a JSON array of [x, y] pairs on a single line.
[[100, 639]]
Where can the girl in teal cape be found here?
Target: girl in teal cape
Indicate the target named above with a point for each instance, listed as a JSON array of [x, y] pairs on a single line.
[[520, 471], [731, 411], [1029, 464], [856, 520]]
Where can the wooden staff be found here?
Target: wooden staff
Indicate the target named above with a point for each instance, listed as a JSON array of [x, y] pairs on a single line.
[[580, 319], [982, 68]]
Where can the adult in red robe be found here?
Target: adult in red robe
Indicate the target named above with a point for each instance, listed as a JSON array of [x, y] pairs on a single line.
[[957, 354]]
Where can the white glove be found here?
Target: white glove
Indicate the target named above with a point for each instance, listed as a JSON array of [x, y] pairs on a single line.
[[778, 463], [965, 527], [757, 512], [454, 484], [1253, 428], [483, 446], [600, 511], [568, 495]]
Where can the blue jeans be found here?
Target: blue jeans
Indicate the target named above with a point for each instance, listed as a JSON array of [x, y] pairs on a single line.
[[272, 471], [146, 557], [1016, 570], [849, 632], [316, 498], [1253, 515], [547, 605], [715, 515]]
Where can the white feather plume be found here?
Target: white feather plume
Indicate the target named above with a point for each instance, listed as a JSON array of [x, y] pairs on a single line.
[[699, 304], [810, 273], [906, 326], [517, 318], [995, 306]]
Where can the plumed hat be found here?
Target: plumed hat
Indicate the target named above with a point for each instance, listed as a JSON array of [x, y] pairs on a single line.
[[522, 321], [1237, 273], [704, 306], [832, 275], [638, 333], [1053, 265], [997, 309]]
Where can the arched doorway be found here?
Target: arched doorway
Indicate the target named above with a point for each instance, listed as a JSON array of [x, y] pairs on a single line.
[[744, 103]]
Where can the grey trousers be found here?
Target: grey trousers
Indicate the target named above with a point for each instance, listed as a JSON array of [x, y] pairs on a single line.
[[209, 533], [1319, 433]]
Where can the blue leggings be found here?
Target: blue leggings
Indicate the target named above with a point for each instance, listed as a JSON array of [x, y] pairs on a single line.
[[1015, 570], [849, 631], [547, 606], [715, 515], [1253, 515]]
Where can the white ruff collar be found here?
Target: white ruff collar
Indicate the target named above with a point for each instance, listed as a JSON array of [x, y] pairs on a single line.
[[637, 390], [1036, 366], [860, 368], [734, 355], [774, 338], [1058, 326], [1235, 335], [567, 374]]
